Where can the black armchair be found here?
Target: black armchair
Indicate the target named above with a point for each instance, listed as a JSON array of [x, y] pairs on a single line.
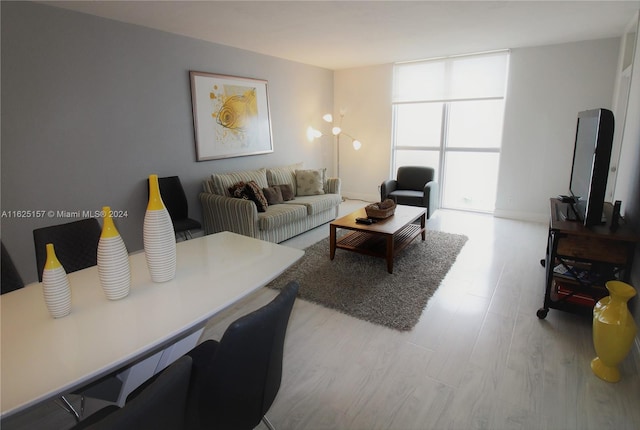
[[235, 381], [76, 246], [414, 186]]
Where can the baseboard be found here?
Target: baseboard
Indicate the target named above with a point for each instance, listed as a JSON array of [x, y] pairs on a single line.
[[360, 196], [522, 216]]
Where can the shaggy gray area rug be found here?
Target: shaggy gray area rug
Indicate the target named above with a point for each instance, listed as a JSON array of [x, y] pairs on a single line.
[[360, 286]]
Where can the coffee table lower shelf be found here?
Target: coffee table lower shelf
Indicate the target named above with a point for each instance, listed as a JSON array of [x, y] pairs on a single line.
[[377, 244]]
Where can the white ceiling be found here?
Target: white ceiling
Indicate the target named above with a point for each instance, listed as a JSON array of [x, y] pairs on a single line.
[[345, 34]]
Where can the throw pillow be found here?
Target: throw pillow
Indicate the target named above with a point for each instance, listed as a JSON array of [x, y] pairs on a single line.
[[250, 191], [255, 194], [273, 195], [309, 182], [287, 192], [237, 190]]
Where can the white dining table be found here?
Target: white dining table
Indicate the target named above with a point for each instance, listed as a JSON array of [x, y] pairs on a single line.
[[43, 357]]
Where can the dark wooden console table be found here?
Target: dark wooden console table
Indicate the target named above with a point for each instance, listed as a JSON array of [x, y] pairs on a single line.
[[580, 260]]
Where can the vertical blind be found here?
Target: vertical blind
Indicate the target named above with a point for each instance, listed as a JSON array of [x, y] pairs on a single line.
[[468, 77]]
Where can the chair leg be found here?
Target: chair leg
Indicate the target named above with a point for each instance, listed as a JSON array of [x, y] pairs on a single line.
[[266, 421], [67, 406], [83, 403]]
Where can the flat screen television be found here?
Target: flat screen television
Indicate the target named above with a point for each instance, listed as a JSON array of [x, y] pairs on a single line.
[[590, 168]]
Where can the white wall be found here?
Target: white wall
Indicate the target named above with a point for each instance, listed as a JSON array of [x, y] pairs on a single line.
[[365, 96], [628, 182], [548, 86], [628, 176]]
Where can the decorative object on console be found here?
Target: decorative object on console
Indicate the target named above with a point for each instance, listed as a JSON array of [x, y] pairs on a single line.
[[158, 236], [55, 285], [230, 116], [613, 330], [336, 131], [113, 260]]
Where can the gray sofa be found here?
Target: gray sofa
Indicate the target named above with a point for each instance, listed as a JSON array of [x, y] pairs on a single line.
[[279, 222]]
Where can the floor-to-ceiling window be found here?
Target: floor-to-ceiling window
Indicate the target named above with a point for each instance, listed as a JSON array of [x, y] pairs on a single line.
[[447, 114]]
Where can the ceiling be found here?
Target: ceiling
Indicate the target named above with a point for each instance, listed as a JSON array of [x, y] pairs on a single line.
[[346, 34]]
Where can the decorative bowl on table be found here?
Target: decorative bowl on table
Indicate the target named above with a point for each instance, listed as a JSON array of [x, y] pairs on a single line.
[[381, 210]]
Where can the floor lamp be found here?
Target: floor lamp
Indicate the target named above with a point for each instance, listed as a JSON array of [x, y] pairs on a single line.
[[336, 131]]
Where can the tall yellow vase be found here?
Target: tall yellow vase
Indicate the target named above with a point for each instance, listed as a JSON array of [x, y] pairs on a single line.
[[158, 236], [55, 285], [613, 330]]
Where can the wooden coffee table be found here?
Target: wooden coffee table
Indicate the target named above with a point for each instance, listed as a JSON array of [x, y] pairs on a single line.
[[384, 238]]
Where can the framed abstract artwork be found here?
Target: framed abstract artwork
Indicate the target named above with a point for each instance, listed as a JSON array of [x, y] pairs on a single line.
[[230, 116]]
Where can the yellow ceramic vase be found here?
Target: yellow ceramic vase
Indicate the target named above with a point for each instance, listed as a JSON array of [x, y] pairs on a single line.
[[158, 236], [113, 260], [613, 330], [55, 285]]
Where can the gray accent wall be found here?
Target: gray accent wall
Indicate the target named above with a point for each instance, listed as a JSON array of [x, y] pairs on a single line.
[[91, 107]]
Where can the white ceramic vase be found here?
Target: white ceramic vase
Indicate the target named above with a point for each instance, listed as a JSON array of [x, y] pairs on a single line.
[[113, 260], [55, 285], [158, 236]]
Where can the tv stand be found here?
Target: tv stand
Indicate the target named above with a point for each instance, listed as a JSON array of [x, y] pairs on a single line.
[[580, 260], [567, 212]]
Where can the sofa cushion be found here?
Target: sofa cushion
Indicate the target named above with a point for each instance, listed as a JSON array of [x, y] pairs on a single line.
[[283, 175], [273, 195], [310, 182], [279, 215], [207, 186], [316, 204], [222, 181]]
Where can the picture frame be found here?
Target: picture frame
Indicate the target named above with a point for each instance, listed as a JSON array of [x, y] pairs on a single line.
[[230, 116]]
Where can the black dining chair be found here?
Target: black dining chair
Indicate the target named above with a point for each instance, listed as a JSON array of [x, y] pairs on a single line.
[[75, 244], [235, 381], [160, 404], [11, 279], [175, 201]]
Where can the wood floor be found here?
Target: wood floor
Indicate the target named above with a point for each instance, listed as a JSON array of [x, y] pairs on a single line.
[[478, 359]]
